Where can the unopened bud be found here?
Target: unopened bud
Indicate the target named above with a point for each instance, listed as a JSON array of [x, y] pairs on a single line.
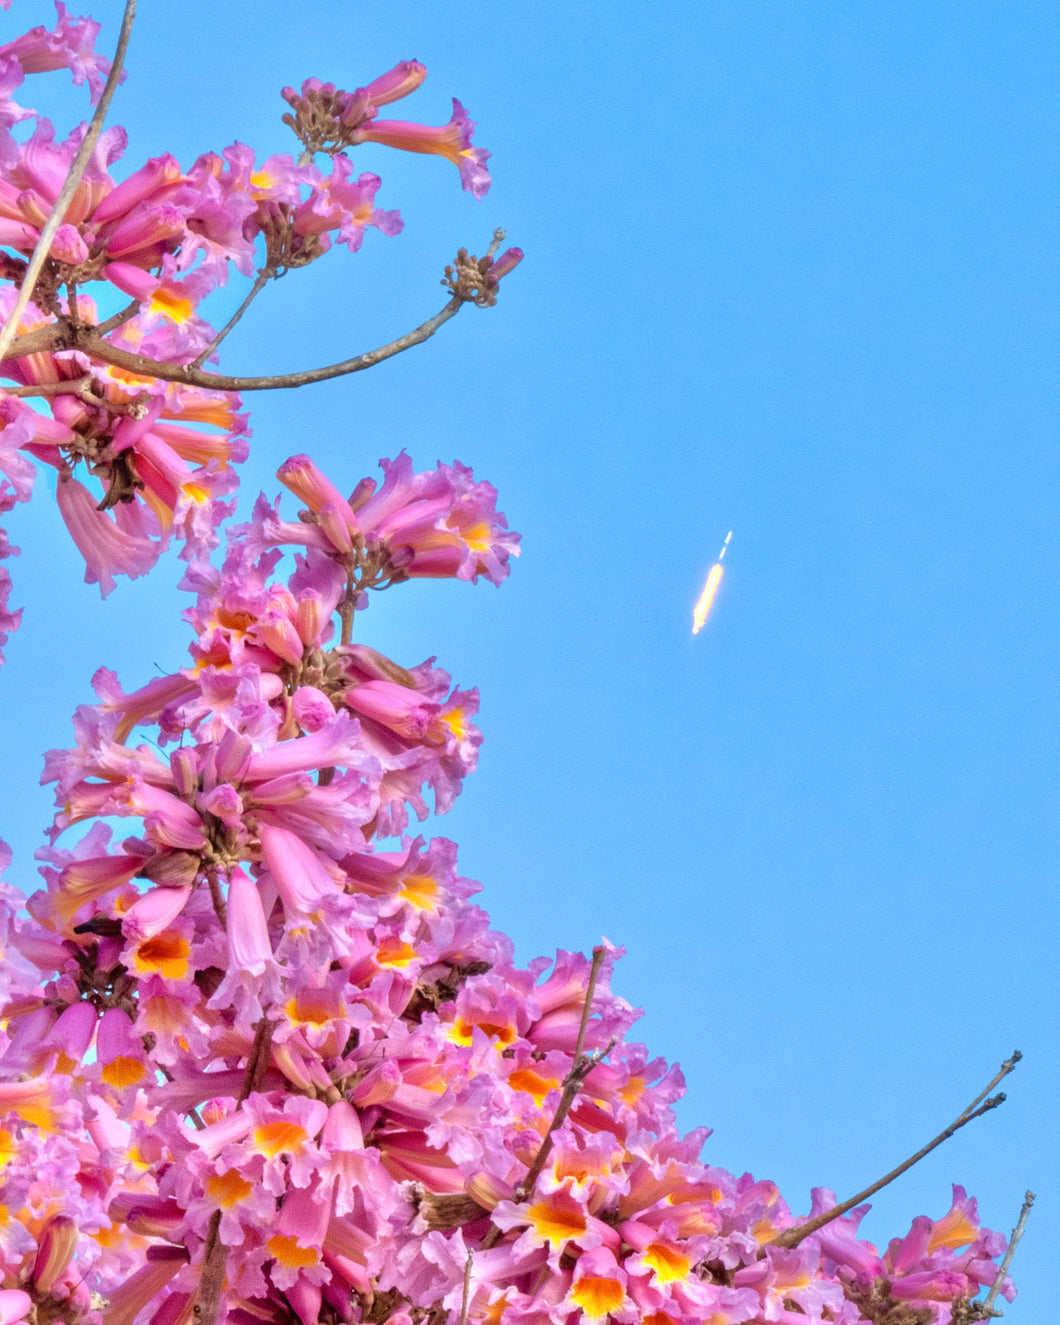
[[404, 78], [508, 261], [55, 1251]]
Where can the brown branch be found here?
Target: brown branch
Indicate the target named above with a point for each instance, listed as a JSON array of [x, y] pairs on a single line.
[[117, 319], [72, 386], [256, 289], [62, 335], [581, 1067], [258, 1061], [793, 1236], [1009, 1065], [42, 340], [215, 1254], [212, 1275], [1017, 1233], [65, 334], [347, 604], [465, 1299], [86, 388], [220, 910], [73, 179], [56, 336], [91, 344]]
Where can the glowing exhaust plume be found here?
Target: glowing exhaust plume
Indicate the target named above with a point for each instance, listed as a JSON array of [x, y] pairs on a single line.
[[699, 614]]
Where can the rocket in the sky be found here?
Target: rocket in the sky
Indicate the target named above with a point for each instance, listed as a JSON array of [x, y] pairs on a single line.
[[699, 612]]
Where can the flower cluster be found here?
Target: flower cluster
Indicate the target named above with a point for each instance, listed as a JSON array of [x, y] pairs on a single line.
[[293, 1065], [165, 237], [263, 1060]]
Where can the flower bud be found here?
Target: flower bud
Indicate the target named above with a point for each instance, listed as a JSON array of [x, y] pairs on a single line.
[[55, 1251], [508, 261]]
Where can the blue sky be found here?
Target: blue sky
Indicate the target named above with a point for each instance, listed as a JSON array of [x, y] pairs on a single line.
[[791, 271]]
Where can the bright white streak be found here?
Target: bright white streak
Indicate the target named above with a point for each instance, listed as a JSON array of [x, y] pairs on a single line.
[[699, 615], [699, 612]]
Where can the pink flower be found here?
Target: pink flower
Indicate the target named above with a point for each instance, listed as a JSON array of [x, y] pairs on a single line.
[[68, 46], [107, 548], [15, 1306], [452, 140], [344, 204]]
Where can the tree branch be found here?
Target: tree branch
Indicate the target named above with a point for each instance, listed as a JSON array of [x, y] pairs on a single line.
[[86, 389], [93, 345], [793, 1236], [1017, 1233], [255, 290], [116, 319], [66, 334], [73, 179], [581, 1067], [466, 1296], [207, 1300]]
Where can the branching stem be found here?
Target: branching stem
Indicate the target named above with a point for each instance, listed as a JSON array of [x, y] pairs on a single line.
[[91, 344], [73, 179], [793, 1236]]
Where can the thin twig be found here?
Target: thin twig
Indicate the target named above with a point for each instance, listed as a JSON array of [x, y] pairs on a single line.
[[1006, 1067], [258, 1061], [215, 1252], [72, 386], [73, 179], [1017, 1233], [259, 285], [86, 388], [582, 1065], [220, 910], [587, 1006], [347, 604], [793, 1236], [464, 1301], [117, 319]]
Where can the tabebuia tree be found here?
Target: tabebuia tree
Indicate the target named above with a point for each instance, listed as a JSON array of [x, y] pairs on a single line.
[[263, 1059]]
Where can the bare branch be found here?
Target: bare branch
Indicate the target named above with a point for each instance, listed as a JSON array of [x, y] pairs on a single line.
[[1006, 1067], [73, 179], [73, 386], [116, 319], [87, 388], [1017, 1233], [464, 1301], [92, 345], [55, 336], [66, 334], [793, 1236], [263, 278]]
